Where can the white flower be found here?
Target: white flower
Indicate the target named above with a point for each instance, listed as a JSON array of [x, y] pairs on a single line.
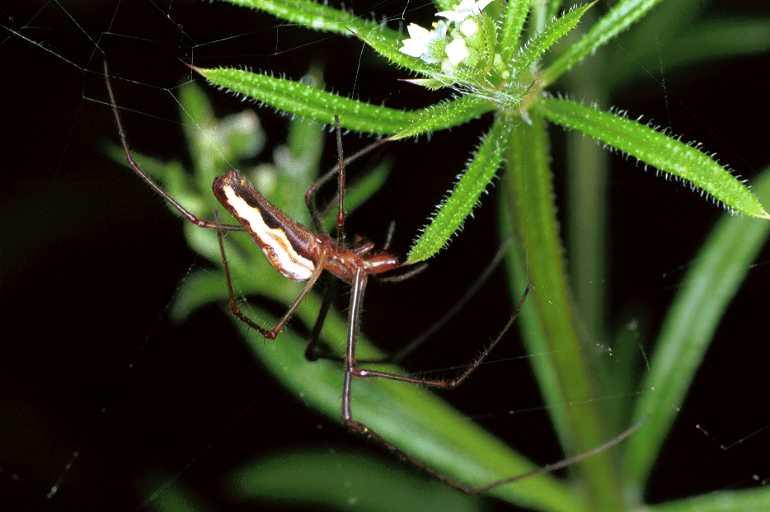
[[469, 27], [420, 40], [465, 9], [431, 45], [417, 42], [456, 52]]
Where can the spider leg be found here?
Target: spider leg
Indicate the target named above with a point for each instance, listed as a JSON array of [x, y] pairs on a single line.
[[452, 383], [352, 371], [316, 349], [404, 276], [389, 235], [187, 214], [356, 298], [313, 351], [235, 309], [340, 184], [315, 213], [420, 340]]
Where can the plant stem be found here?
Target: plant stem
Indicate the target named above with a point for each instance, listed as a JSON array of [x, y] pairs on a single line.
[[549, 316]]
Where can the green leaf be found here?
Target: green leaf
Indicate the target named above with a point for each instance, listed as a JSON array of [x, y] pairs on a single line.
[[657, 149], [548, 317], [625, 371], [445, 114], [345, 482], [746, 500], [513, 23], [241, 134], [214, 144], [545, 39], [311, 14], [197, 290], [310, 102], [619, 18], [416, 421], [199, 123], [298, 162], [451, 213], [708, 288], [703, 42]]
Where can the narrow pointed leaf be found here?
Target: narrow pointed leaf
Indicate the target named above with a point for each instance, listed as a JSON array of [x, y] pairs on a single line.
[[657, 149], [708, 288], [544, 40], [311, 14], [513, 23], [746, 500], [308, 101], [445, 114], [313, 478], [624, 14], [450, 215]]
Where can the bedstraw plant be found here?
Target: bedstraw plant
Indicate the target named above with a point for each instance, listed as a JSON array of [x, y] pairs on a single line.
[[501, 60]]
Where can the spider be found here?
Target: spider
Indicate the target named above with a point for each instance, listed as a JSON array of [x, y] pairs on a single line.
[[302, 254]]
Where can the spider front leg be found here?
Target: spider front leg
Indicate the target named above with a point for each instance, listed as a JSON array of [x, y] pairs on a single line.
[[316, 214], [313, 352], [235, 309], [356, 298], [186, 214]]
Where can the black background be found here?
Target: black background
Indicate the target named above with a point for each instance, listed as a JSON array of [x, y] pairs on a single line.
[[90, 261]]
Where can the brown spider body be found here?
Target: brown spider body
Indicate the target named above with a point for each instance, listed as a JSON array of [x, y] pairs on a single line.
[[291, 248]]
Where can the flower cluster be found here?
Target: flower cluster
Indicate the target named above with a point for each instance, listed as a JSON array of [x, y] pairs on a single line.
[[447, 43]]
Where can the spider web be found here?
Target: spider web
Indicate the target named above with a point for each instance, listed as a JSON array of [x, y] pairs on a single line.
[[109, 403]]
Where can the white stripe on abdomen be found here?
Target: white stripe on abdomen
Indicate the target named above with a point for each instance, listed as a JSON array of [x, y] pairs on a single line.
[[284, 257]]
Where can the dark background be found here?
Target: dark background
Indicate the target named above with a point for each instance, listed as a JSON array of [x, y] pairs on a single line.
[[90, 261]]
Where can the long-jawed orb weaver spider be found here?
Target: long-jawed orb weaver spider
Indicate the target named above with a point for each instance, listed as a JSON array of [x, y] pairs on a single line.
[[301, 254]]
